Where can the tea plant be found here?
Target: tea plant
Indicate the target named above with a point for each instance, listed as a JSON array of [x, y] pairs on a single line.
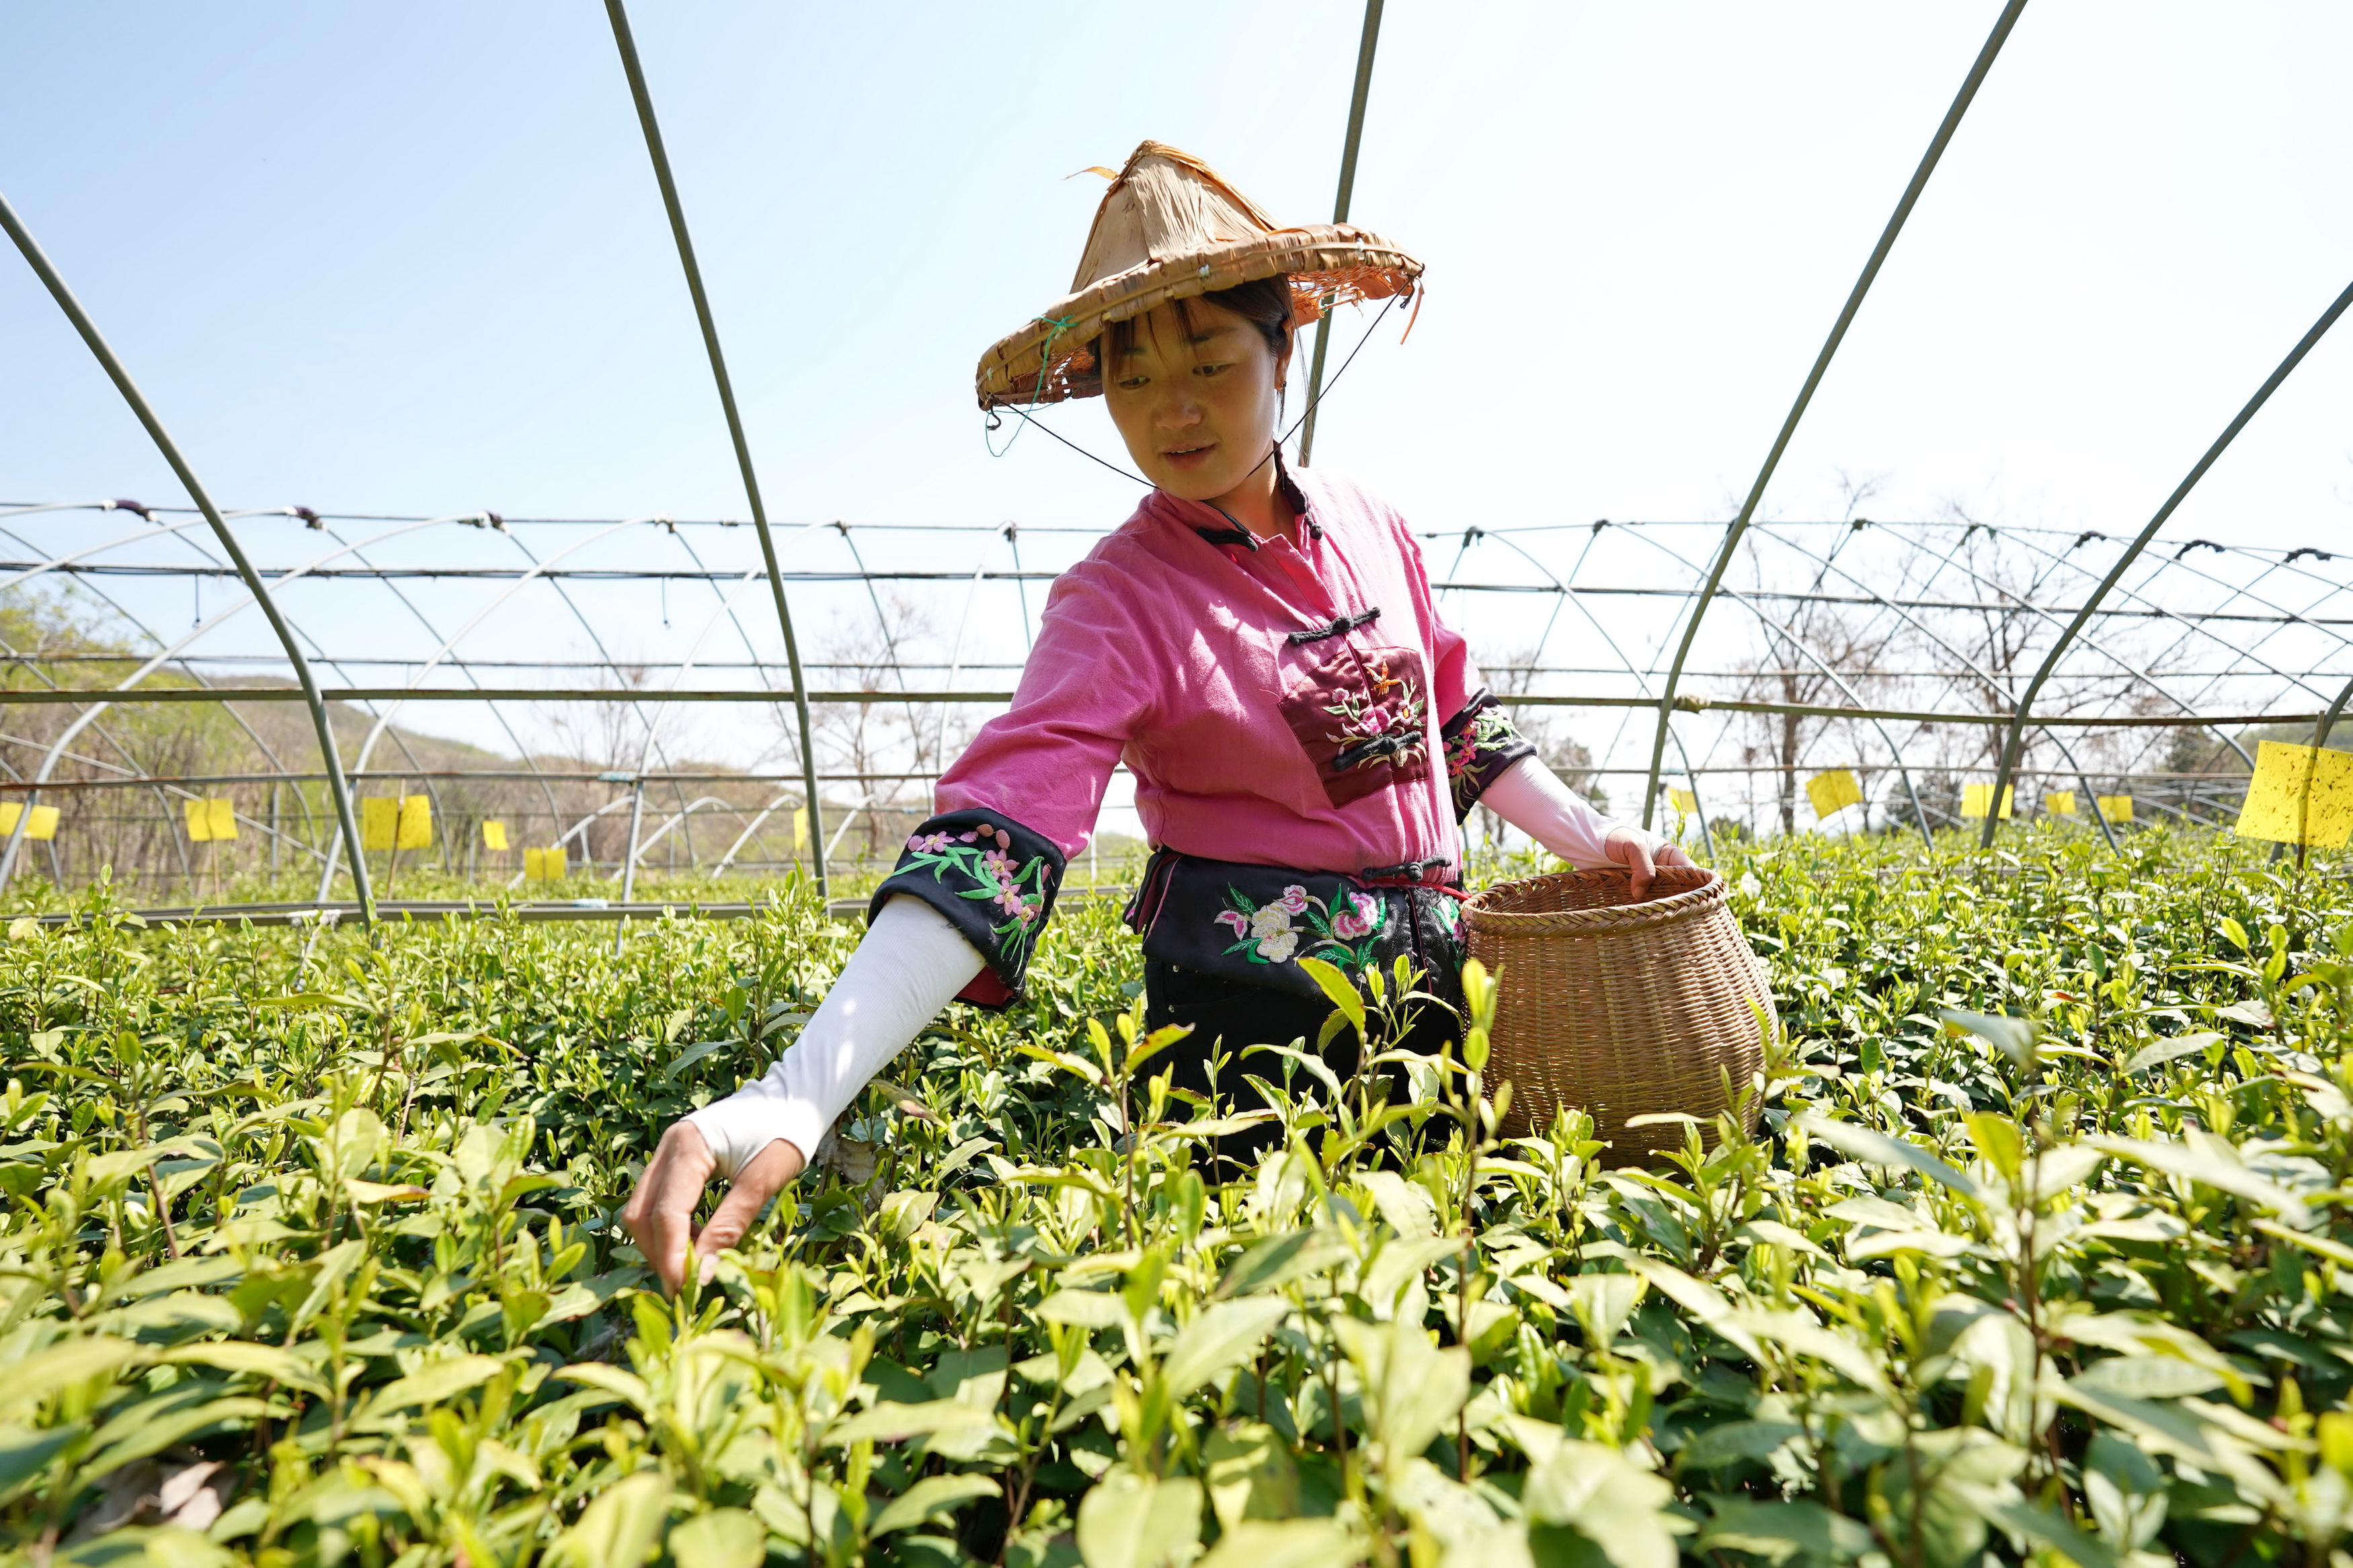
[[2036, 1250]]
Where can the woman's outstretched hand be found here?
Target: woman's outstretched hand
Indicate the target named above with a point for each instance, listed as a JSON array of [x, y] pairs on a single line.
[[660, 1212], [1630, 848]]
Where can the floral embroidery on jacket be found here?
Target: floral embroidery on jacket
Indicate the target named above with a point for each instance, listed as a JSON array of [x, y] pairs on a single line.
[[1367, 735], [1341, 932], [1018, 894], [1362, 715], [1480, 741], [1491, 727], [991, 877]]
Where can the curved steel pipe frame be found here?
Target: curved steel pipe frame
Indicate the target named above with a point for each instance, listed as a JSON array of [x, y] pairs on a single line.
[[645, 753], [2011, 742], [1992, 684], [883, 625], [1369, 41], [1568, 596], [1915, 605], [678, 819], [1798, 644], [173, 649], [627, 43], [955, 655], [203, 628], [2243, 651], [497, 713], [118, 608], [579, 828], [1961, 101], [2149, 678], [2319, 739], [752, 826], [2329, 720], [163, 797], [384, 717], [58, 563], [155, 530], [751, 652], [336, 783]]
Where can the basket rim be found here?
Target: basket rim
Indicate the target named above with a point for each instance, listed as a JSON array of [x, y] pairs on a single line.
[[1613, 920]]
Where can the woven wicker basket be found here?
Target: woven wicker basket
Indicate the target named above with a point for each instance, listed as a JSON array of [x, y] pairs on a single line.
[[1618, 1008]]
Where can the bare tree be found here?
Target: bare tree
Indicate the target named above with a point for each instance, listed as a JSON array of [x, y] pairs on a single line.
[[876, 741], [1815, 653], [2020, 602]]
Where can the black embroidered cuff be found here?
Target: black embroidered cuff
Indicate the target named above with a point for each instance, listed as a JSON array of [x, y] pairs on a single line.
[[1480, 741], [993, 879]]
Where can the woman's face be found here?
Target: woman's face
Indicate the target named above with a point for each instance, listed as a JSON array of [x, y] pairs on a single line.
[[1197, 404]]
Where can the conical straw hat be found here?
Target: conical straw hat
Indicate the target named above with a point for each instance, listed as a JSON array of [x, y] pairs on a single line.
[[1170, 229]]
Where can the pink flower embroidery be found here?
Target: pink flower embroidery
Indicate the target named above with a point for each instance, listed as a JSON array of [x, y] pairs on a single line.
[[968, 838], [928, 843], [1236, 919], [1360, 918], [1295, 899]]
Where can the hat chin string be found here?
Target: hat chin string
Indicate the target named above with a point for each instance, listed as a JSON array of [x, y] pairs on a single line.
[[994, 422], [1326, 389]]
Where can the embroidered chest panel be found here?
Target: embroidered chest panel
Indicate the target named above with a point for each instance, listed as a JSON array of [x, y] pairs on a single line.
[[1362, 716]]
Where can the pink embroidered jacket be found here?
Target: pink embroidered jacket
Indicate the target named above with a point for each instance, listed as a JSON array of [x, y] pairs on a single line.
[[1297, 707], [1257, 727]]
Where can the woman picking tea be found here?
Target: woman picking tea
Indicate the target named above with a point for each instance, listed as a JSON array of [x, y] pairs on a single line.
[[1259, 645]]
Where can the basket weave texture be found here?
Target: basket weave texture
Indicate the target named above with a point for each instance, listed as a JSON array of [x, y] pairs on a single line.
[[1618, 1008]]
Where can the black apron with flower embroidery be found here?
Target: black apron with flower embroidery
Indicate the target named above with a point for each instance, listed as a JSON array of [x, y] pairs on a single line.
[[1253, 923]]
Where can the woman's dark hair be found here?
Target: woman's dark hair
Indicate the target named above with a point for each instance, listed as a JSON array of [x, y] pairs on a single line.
[[1266, 303]]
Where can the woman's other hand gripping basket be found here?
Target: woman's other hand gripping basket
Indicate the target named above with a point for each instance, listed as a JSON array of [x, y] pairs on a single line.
[[1621, 1009]]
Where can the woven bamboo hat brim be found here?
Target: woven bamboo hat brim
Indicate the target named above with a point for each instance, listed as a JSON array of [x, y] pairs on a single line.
[[1170, 229]]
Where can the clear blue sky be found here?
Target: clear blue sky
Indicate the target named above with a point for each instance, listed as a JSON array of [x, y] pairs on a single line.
[[410, 258]]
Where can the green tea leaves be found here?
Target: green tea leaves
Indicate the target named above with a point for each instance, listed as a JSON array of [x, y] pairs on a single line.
[[1128, 1520], [1337, 987], [1877, 1148], [1221, 1339], [931, 1496], [618, 1529]]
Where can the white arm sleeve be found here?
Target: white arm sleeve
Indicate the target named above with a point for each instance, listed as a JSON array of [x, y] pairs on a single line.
[[910, 965], [1533, 799]]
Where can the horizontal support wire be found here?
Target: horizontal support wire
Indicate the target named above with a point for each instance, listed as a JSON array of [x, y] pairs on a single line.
[[1715, 525], [1597, 590], [652, 781], [39, 661], [1687, 704], [477, 776], [620, 698]]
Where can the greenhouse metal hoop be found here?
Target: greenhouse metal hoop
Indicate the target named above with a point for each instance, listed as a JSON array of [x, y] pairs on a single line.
[[2221, 443], [1936, 144], [84, 563], [345, 820]]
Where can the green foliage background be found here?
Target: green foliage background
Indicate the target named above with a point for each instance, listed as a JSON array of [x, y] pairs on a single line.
[[343, 1232]]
